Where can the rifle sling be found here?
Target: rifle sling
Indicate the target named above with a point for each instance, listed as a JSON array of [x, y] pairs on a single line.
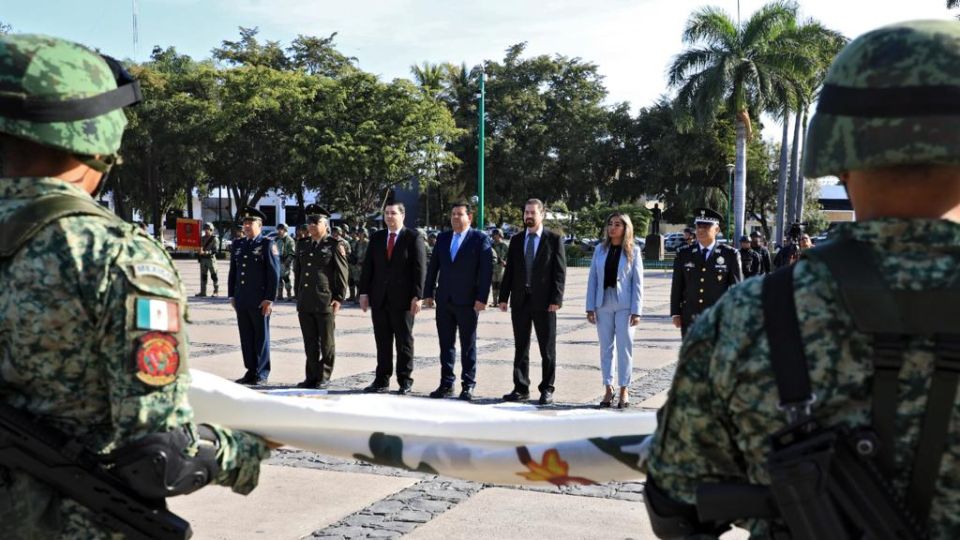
[[892, 318], [30, 219]]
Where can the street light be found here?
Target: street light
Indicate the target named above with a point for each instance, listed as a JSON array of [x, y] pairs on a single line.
[[730, 168], [481, 223]]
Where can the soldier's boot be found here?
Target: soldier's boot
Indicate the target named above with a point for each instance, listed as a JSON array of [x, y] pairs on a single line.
[[203, 289], [289, 294], [216, 288]]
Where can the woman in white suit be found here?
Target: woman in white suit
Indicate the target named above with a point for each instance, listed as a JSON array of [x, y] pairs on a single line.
[[614, 300]]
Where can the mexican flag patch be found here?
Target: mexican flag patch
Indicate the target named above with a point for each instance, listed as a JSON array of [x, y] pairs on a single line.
[[154, 314]]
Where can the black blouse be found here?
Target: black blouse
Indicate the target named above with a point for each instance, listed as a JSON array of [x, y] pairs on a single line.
[[611, 266]]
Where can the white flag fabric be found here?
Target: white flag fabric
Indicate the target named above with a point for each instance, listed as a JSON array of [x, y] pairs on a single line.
[[497, 444]]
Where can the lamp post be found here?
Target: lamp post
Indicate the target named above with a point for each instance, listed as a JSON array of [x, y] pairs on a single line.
[[730, 167], [481, 223]]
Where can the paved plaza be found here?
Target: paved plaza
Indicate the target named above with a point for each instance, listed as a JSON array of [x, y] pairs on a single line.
[[303, 494]]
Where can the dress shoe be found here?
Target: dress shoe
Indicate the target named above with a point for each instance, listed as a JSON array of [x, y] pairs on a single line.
[[442, 391], [323, 385], [200, 295], [467, 394], [376, 389], [516, 396], [308, 384], [246, 379], [404, 389], [546, 398], [261, 382]]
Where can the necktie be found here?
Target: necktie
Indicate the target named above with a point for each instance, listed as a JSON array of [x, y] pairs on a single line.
[[528, 256], [390, 242], [706, 254], [454, 246]]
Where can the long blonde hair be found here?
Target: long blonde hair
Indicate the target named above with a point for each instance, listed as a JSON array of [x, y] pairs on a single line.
[[627, 234]]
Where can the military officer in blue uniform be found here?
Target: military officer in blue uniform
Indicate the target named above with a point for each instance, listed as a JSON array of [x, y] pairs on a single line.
[[252, 287], [702, 272]]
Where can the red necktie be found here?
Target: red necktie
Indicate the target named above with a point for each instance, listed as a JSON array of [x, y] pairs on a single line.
[[390, 242]]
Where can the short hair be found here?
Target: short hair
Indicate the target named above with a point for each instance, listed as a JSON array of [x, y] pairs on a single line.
[[398, 204], [464, 204], [537, 202]]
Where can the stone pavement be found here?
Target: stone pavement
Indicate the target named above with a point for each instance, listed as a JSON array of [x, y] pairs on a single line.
[[303, 494]]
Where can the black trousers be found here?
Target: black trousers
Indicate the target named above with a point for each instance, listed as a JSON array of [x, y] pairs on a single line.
[[545, 324], [393, 326], [318, 342]]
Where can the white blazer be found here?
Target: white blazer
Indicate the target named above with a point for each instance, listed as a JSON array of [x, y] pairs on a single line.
[[629, 281]]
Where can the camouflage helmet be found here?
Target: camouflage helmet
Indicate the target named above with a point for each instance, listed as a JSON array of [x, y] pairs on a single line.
[[61, 94], [886, 101]]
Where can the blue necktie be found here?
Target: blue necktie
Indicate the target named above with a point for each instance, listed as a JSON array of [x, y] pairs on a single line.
[[454, 246]]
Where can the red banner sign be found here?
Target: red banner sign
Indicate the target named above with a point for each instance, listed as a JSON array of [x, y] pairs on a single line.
[[188, 234]]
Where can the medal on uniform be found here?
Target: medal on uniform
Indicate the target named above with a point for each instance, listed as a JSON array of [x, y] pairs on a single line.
[[157, 359], [720, 260]]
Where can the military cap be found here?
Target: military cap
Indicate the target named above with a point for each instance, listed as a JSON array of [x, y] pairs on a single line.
[[744, 238], [337, 230], [61, 94], [888, 99], [497, 232], [281, 226], [208, 226], [314, 209], [250, 214], [706, 215], [433, 235], [756, 234]]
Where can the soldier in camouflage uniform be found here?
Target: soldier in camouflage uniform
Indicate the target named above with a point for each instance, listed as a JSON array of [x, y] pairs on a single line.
[[286, 246], [209, 247], [885, 126], [357, 254], [99, 351], [337, 234], [500, 248]]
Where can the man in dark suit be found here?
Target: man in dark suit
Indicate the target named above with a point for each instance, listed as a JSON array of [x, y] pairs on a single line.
[[391, 285], [533, 283], [252, 288], [702, 272], [321, 271], [458, 282]]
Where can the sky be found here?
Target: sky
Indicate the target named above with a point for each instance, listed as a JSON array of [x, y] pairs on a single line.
[[631, 41]]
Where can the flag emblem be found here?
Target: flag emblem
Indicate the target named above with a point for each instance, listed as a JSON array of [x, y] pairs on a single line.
[[153, 314]]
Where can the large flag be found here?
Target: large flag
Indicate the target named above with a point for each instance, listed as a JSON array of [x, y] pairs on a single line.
[[499, 444]]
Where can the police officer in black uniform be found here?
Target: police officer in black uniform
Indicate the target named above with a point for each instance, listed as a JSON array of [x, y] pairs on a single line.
[[757, 243], [702, 272], [252, 288], [321, 271], [749, 258]]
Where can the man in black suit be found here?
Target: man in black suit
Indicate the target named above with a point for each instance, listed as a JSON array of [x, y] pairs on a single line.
[[458, 282], [535, 275], [702, 272], [391, 285]]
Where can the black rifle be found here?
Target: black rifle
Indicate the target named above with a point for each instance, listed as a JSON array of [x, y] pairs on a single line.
[[76, 473], [824, 484]]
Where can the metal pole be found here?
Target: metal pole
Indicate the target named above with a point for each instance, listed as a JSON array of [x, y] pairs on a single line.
[[481, 223], [730, 167]]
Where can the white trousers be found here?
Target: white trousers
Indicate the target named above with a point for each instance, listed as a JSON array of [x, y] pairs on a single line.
[[613, 328]]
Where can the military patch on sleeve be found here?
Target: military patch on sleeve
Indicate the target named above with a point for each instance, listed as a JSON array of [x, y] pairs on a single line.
[[156, 314], [157, 359], [154, 270]]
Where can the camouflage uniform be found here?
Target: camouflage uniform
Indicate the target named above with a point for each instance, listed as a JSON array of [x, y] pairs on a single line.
[[500, 248], [724, 402], [288, 250], [357, 255], [69, 327]]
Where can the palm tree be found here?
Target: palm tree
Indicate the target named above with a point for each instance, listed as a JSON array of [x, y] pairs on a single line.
[[430, 78], [822, 46], [739, 68]]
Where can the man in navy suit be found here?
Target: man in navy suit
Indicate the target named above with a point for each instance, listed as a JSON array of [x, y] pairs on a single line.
[[252, 288], [458, 282]]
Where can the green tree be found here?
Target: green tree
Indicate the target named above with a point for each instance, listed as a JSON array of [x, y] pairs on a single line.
[[319, 56], [166, 147], [248, 51], [738, 67], [5, 28]]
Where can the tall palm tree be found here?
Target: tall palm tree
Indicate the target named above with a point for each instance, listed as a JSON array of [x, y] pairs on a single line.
[[739, 68], [821, 45], [430, 78]]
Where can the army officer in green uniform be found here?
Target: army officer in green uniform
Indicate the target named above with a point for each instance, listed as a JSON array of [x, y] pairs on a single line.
[[321, 271]]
